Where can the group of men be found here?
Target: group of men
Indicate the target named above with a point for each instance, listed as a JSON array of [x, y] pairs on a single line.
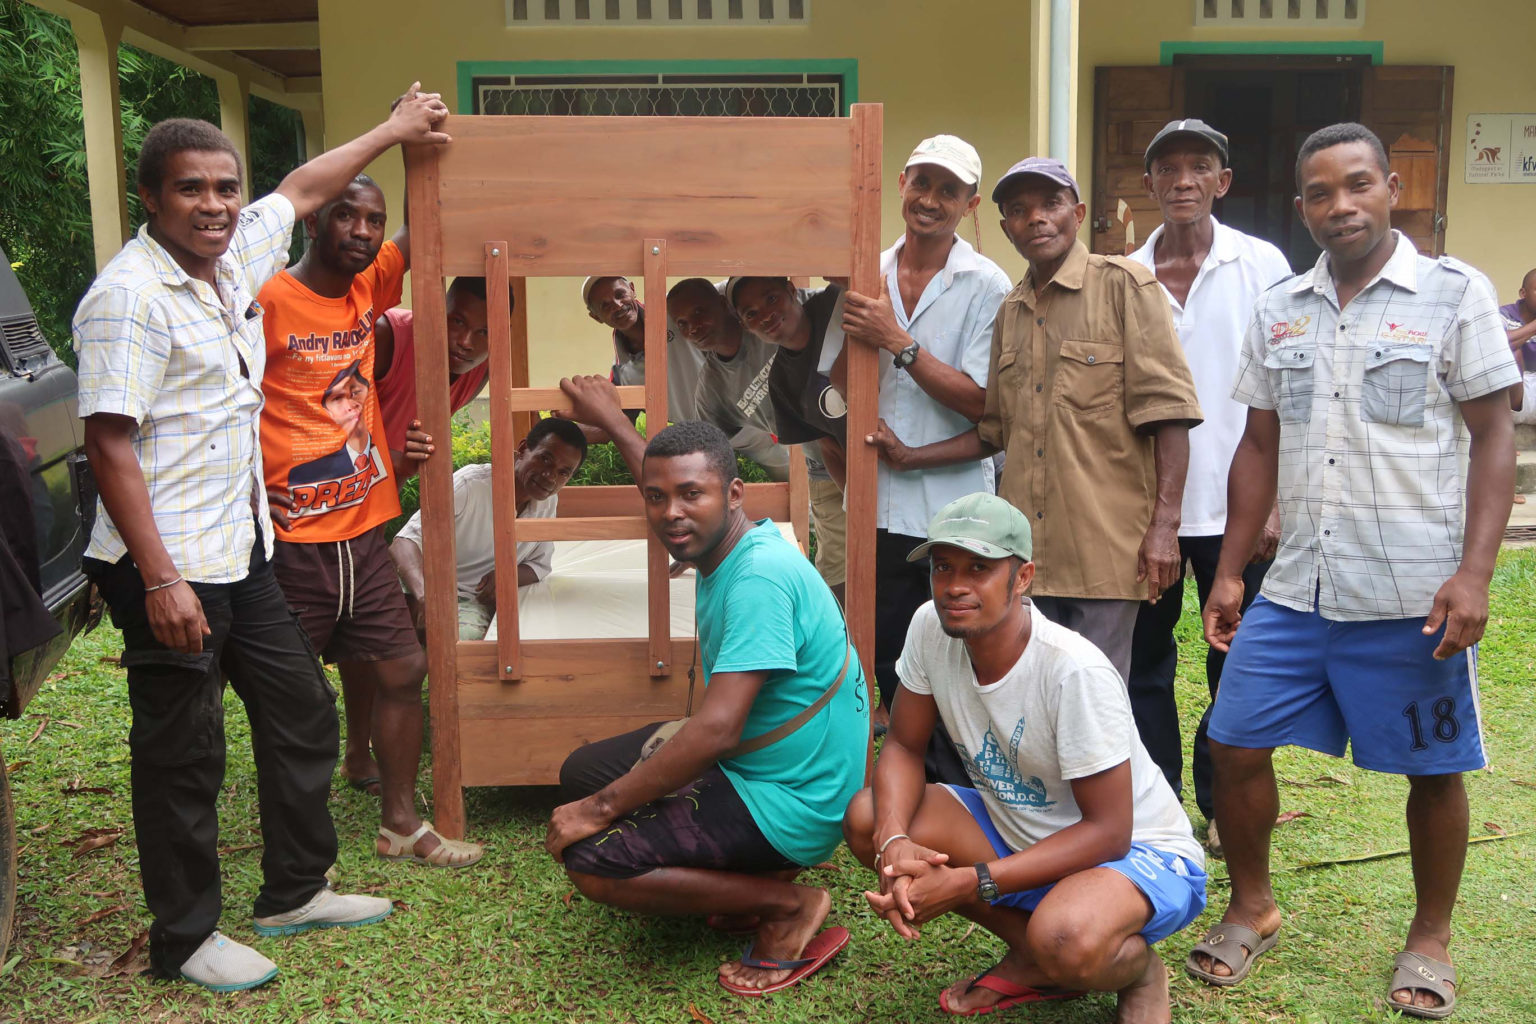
[[248, 427]]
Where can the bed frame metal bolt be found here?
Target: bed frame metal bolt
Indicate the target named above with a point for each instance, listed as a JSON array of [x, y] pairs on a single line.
[[660, 665], [508, 670], [655, 250], [495, 252]]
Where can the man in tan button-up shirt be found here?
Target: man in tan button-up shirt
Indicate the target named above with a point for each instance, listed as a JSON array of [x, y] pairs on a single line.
[[1090, 396]]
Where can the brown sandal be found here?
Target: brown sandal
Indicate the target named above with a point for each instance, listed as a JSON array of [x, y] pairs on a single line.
[[1417, 972]]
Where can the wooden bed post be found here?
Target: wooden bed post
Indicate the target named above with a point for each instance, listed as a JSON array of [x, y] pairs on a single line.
[[504, 435], [863, 389], [658, 592], [437, 540]]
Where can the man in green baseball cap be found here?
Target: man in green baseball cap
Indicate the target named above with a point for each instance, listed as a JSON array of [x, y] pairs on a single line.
[[1071, 848]]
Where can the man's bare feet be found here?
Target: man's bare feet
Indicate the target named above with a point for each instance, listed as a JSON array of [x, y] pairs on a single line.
[[1423, 998], [1266, 922], [781, 938], [1017, 967], [1146, 1001]]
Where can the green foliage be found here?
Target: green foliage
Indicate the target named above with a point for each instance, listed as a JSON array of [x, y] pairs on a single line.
[[45, 215]]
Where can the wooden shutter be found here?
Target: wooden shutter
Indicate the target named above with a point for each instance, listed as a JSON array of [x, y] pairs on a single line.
[[1410, 108], [1130, 105]]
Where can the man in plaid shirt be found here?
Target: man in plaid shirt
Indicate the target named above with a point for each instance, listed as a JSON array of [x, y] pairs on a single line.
[[171, 357], [1363, 377]]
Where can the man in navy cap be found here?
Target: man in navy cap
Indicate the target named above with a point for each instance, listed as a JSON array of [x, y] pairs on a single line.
[[1211, 274], [1089, 394]]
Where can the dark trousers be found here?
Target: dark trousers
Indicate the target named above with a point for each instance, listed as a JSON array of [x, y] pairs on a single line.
[[1155, 658], [901, 588], [177, 743]]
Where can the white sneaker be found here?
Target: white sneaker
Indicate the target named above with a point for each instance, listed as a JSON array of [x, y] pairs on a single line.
[[224, 965], [327, 909]]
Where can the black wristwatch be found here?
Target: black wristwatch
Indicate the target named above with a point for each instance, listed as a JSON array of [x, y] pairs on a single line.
[[907, 356], [985, 887]]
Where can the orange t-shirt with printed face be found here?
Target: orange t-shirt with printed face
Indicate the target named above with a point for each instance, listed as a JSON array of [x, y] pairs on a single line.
[[322, 435]]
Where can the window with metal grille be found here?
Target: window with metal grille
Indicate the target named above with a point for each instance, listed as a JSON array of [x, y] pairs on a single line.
[[1281, 13], [740, 94], [648, 13]]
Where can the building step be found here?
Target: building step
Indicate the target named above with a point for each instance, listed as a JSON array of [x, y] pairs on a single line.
[[1525, 471]]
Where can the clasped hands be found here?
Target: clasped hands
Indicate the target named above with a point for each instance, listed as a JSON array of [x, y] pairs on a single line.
[[917, 885]]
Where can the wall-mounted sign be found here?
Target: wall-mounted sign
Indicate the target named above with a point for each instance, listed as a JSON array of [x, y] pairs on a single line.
[[1501, 148]]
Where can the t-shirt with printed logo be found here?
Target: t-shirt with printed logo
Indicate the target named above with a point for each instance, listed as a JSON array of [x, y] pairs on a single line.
[[322, 434]]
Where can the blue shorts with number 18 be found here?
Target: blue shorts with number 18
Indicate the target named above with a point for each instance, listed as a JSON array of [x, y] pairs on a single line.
[[1297, 679]]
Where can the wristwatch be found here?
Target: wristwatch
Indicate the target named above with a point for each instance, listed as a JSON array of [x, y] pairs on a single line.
[[985, 887], [907, 356]]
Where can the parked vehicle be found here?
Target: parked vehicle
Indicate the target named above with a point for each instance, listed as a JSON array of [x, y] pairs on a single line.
[[47, 499]]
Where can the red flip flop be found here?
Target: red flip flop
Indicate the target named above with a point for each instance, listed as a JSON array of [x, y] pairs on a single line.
[[1012, 994], [818, 953]]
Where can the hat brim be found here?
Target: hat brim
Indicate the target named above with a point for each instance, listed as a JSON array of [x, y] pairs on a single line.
[[975, 547], [1006, 181], [1184, 133], [952, 166]]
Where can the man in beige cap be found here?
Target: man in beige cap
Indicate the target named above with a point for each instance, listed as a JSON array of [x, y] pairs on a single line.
[[933, 316], [613, 302]]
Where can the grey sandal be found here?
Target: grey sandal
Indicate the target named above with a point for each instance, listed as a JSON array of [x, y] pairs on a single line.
[[1419, 973], [1225, 943]]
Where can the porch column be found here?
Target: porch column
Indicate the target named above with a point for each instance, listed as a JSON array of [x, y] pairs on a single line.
[[1063, 83], [97, 38], [1039, 76], [234, 102], [313, 115]]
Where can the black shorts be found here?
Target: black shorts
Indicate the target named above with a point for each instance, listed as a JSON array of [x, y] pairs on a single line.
[[705, 824], [348, 596]]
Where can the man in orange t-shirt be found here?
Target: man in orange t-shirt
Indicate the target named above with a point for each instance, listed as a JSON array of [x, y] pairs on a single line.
[[330, 483]]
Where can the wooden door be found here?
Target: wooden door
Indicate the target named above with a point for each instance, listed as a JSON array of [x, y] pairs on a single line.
[[1410, 108], [1130, 105]]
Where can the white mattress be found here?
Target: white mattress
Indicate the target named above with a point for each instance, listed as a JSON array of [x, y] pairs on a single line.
[[596, 588]]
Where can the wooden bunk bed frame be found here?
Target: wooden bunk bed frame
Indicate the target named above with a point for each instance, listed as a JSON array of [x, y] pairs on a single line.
[[646, 197]]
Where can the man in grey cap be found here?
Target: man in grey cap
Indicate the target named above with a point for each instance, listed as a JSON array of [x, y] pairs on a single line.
[[1097, 463], [1211, 275], [1071, 848], [933, 321]]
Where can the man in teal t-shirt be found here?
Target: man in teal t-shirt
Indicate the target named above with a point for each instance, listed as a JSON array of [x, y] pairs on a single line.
[[704, 826]]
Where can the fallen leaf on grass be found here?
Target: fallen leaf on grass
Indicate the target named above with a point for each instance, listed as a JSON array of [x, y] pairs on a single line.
[[968, 932], [69, 725], [40, 727], [58, 677], [225, 850], [93, 839], [100, 915], [126, 957], [10, 769], [1518, 782], [566, 899], [400, 905], [78, 786], [698, 1015], [110, 659], [1288, 816], [1495, 829]]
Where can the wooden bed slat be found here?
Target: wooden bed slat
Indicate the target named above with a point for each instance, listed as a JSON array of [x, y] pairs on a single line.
[[658, 592], [503, 452], [631, 396]]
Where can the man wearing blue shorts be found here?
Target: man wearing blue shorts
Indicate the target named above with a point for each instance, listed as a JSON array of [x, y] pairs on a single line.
[[1072, 848], [1362, 379]]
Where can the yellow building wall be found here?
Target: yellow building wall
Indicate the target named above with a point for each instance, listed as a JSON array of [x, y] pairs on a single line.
[[934, 68], [1488, 42]]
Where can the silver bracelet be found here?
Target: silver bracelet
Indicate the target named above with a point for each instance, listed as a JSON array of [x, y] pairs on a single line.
[[881, 852], [162, 586]]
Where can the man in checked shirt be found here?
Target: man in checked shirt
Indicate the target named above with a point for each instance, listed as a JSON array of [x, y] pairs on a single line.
[[171, 355], [1362, 377]]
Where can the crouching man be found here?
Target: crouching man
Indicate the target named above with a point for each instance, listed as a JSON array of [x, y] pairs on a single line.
[[720, 818], [1072, 847]]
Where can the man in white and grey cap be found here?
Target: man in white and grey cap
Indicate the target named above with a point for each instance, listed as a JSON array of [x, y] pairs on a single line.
[[1211, 275], [933, 318], [613, 302]]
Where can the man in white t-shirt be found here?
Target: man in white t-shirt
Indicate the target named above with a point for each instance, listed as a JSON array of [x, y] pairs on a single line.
[[553, 450], [1072, 848], [1211, 274]]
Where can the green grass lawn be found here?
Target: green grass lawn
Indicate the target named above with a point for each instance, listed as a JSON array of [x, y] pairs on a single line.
[[508, 940]]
